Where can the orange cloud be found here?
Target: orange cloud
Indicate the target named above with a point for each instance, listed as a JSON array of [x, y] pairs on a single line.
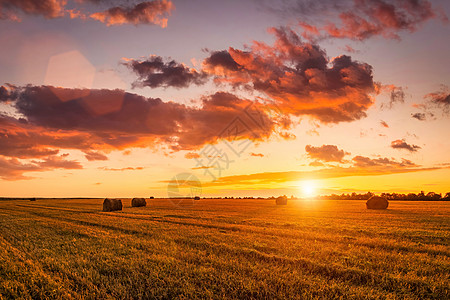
[[14, 169], [93, 155], [381, 164], [298, 77], [363, 19], [122, 169], [257, 154], [192, 155], [202, 168], [326, 153], [151, 12], [49, 124], [362, 166], [316, 164], [48, 8], [20, 139], [402, 144]]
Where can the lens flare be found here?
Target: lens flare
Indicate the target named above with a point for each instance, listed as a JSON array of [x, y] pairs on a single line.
[[307, 188]]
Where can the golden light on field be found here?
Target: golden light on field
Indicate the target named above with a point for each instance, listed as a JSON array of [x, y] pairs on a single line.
[[308, 188]]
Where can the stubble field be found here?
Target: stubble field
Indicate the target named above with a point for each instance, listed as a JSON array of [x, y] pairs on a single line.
[[69, 249]]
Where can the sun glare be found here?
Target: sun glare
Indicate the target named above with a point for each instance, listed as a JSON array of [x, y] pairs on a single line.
[[307, 188]]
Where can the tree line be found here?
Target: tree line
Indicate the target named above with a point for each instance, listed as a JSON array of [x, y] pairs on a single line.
[[422, 196]]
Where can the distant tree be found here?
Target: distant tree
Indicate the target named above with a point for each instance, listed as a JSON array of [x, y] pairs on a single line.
[[433, 196], [421, 195]]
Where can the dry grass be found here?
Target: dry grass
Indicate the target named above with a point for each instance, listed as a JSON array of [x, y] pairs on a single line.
[[224, 249]]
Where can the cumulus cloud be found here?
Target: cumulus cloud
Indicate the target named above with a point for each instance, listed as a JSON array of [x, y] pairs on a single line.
[[327, 153], [11, 9], [363, 19], [20, 139], [93, 155], [47, 123], [14, 169], [221, 117], [27, 141], [366, 162], [402, 144], [58, 162], [150, 12], [299, 77], [154, 72], [7, 92]]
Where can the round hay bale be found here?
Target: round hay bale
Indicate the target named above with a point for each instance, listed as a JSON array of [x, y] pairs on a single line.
[[282, 200], [112, 204], [377, 202], [138, 202], [151, 197], [196, 198]]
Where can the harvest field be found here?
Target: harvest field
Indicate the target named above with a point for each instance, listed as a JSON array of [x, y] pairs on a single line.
[[70, 249]]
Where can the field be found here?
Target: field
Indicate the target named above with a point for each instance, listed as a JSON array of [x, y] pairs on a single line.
[[69, 249]]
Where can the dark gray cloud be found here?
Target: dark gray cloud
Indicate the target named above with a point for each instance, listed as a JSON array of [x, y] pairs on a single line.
[[402, 144], [419, 116], [154, 72]]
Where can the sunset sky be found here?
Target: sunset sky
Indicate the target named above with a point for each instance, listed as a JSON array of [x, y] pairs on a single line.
[[254, 98]]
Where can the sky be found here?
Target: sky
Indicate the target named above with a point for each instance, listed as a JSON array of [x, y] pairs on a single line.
[[104, 98]]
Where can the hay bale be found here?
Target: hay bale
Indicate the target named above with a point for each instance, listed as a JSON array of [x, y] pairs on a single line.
[[152, 197], [196, 198], [112, 204], [138, 202], [282, 200], [32, 199], [377, 202]]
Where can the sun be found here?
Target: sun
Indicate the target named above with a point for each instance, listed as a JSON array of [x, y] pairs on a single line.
[[307, 188]]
